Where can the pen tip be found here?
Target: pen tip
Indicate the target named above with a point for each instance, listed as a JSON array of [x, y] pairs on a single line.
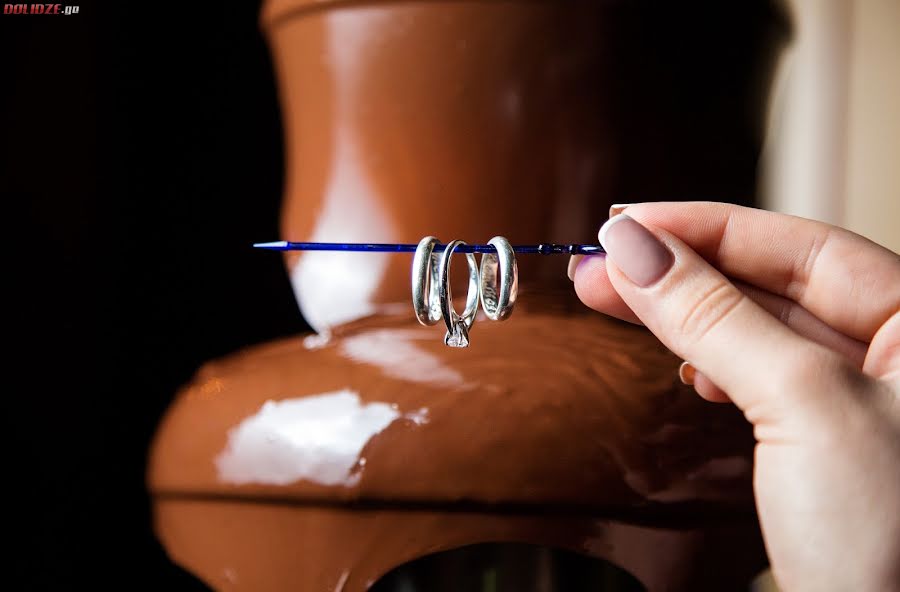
[[275, 245]]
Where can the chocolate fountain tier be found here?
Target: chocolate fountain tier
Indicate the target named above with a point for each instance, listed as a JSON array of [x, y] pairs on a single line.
[[559, 407], [327, 462]]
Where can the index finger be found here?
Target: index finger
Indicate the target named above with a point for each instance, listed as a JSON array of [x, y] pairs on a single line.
[[844, 279]]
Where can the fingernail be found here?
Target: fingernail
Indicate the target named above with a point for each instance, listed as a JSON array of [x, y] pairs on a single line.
[[686, 373], [634, 250], [616, 209], [574, 260]]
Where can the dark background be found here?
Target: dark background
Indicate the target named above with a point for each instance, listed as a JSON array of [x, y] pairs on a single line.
[[140, 155]]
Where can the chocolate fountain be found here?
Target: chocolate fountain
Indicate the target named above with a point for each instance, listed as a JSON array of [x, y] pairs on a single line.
[[559, 451]]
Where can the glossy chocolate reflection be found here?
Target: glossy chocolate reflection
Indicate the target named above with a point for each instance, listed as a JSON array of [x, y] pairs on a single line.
[[326, 461], [467, 120], [559, 414], [384, 411], [240, 545]]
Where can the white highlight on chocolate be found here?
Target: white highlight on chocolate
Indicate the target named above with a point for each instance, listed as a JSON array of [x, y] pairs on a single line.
[[317, 438], [398, 356], [330, 287]]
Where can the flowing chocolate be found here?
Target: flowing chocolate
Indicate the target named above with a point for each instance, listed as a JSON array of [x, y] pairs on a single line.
[[325, 461], [560, 414]]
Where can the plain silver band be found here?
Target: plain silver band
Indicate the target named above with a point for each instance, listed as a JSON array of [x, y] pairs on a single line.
[[446, 298], [425, 282], [498, 296]]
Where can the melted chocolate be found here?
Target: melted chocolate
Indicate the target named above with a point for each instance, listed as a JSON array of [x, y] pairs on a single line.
[[558, 417], [324, 461], [280, 546], [505, 421], [467, 120]]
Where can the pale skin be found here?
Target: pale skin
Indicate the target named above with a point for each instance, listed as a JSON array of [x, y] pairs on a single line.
[[798, 324]]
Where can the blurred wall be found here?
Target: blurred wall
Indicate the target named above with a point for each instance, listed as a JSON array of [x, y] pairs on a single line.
[[834, 132], [872, 203], [833, 148]]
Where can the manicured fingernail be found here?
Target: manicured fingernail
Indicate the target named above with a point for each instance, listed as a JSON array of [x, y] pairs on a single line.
[[616, 209], [634, 250], [686, 373], [574, 260]]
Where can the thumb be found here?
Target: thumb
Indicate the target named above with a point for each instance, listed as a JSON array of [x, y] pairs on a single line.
[[701, 316]]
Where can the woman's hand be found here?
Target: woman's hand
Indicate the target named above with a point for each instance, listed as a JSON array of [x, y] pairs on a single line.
[[797, 323]]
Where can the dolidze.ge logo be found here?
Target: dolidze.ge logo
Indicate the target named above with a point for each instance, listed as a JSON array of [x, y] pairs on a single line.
[[39, 9]]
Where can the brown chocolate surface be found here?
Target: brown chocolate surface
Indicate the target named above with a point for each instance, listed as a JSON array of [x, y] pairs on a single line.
[[234, 545], [559, 427], [554, 408], [322, 462], [467, 120]]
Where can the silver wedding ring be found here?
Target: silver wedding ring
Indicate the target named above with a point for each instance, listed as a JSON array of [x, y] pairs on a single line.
[[457, 325], [495, 285], [425, 282], [499, 280]]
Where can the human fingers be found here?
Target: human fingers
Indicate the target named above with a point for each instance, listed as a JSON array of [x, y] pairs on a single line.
[[703, 385], [847, 281], [593, 287], [701, 316], [798, 319], [806, 324], [883, 359]]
